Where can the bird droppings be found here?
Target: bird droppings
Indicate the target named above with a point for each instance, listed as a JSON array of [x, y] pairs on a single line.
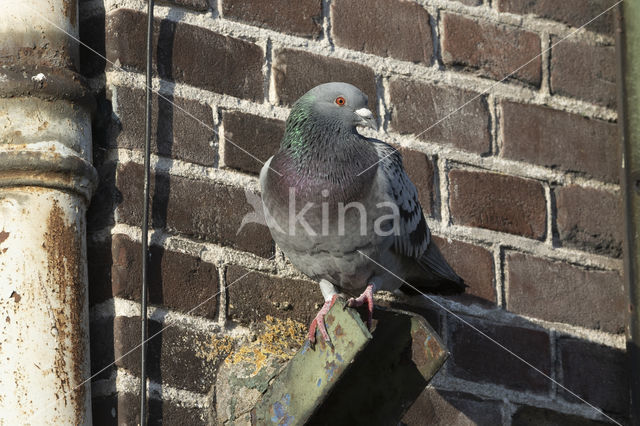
[[39, 77]]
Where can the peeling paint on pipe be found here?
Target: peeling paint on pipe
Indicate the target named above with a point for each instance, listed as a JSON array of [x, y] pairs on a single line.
[[46, 182]]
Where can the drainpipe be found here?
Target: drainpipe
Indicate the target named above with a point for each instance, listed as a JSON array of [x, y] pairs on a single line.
[[628, 52], [46, 182]]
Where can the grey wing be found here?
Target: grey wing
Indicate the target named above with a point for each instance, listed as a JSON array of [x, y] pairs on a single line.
[[413, 238]]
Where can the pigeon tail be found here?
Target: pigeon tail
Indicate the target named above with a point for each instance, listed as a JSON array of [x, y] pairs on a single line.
[[436, 276]]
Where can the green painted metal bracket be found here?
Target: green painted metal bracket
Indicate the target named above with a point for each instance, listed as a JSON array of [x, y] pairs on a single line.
[[382, 372]]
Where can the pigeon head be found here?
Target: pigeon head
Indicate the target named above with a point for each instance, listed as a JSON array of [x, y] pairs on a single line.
[[339, 103]]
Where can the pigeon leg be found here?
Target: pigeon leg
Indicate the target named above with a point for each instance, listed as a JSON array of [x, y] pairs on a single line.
[[318, 321], [366, 296]]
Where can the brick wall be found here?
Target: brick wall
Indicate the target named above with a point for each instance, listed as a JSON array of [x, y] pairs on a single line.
[[510, 139]]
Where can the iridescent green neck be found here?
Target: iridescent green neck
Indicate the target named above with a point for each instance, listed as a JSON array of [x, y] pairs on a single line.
[[297, 127]]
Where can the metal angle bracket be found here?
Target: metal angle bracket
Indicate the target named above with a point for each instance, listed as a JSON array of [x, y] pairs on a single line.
[[382, 372]]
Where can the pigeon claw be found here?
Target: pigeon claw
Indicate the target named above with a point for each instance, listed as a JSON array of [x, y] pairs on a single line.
[[318, 323], [365, 297]]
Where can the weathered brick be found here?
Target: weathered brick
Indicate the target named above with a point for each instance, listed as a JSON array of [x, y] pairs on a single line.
[[535, 416], [183, 131], [417, 108], [395, 28], [178, 357], [187, 54], [206, 210], [295, 72], [253, 295], [476, 358], [589, 219], [302, 18], [176, 280], [123, 408], [599, 374], [495, 50], [572, 12], [553, 138], [444, 408], [259, 136], [497, 202], [421, 171], [473, 263], [565, 293], [584, 71]]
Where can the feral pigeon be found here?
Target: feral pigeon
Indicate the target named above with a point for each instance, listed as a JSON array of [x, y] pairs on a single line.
[[342, 208]]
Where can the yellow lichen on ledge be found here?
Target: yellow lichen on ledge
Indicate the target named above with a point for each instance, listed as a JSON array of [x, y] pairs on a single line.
[[277, 339]]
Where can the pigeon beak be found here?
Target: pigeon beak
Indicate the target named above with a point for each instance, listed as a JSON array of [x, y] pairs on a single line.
[[366, 118]]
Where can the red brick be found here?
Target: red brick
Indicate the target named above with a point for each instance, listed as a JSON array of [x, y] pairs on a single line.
[[417, 108], [177, 356], [302, 18], [396, 28], [560, 292], [176, 280], [296, 72], [123, 408], [187, 54], [558, 139], [584, 71], [497, 202], [253, 295], [175, 133], [476, 358], [259, 136], [599, 374], [494, 50], [589, 219], [445, 408], [572, 12], [421, 171], [534, 416], [473, 263], [206, 210]]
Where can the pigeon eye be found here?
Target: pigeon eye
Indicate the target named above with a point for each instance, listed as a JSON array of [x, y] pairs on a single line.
[[340, 101]]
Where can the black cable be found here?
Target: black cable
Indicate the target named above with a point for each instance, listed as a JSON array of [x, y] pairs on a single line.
[[145, 223]]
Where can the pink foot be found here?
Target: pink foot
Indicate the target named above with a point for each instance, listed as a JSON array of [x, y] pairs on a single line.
[[318, 322], [366, 296]]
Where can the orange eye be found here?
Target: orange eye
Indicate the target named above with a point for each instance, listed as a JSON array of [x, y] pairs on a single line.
[[340, 101]]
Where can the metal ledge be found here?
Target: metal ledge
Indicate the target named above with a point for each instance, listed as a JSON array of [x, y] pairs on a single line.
[[363, 376]]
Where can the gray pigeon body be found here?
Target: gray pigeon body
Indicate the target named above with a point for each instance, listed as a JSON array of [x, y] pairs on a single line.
[[341, 206]]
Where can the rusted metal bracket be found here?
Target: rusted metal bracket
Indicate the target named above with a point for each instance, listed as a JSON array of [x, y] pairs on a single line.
[[362, 375]]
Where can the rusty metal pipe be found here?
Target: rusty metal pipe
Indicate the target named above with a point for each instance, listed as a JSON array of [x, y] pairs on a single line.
[[46, 181]]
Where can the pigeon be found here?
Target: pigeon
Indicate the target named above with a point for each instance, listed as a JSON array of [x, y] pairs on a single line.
[[343, 210]]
